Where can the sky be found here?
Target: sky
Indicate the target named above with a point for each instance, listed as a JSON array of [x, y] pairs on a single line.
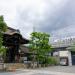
[[55, 17]]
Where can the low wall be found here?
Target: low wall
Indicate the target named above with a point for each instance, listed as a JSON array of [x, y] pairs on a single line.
[[12, 66]]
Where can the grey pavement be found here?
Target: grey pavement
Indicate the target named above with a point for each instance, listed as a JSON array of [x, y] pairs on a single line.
[[53, 70], [37, 72], [67, 69]]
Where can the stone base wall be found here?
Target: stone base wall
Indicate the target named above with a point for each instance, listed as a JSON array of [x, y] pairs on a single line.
[[16, 65], [12, 66]]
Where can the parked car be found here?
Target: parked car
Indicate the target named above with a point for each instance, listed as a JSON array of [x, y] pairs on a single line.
[[63, 62]]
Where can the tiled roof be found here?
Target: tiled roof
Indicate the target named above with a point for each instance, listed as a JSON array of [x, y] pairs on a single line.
[[11, 31], [24, 49]]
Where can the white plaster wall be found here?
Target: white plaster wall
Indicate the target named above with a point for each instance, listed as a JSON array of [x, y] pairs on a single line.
[[69, 58], [63, 53]]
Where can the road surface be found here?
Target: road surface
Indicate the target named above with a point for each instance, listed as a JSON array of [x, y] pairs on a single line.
[[58, 70]]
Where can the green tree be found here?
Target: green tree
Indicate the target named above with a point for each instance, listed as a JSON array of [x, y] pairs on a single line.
[[3, 28], [39, 46]]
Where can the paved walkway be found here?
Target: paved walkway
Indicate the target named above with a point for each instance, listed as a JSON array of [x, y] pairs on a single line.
[[56, 70], [43, 72], [36, 72], [67, 69]]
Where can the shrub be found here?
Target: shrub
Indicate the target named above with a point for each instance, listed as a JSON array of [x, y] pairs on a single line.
[[51, 61]]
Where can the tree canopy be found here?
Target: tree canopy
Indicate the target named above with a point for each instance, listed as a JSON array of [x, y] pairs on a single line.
[[3, 27], [40, 46]]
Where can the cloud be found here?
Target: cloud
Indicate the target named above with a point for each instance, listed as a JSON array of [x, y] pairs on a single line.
[[8, 10], [56, 17], [31, 15], [39, 13], [68, 21], [62, 22]]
